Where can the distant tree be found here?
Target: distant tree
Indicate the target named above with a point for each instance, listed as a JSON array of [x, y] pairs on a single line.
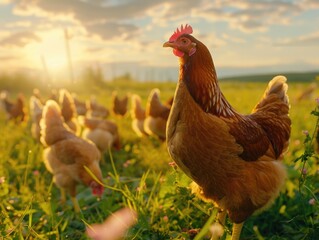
[[93, 75], [125, 77]]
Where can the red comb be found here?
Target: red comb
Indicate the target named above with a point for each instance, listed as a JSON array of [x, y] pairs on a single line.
[[184, 30]]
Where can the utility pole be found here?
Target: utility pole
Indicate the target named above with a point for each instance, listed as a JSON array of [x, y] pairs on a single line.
[[45, 69], [67, 46]]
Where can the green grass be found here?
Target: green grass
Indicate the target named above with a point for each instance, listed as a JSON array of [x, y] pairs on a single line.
[[139, 176]]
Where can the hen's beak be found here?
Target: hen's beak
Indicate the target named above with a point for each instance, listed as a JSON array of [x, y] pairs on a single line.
[[169, 44]]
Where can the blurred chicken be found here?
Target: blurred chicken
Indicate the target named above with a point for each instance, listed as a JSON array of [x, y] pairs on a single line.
[[233, 159], [68, 111], [96, 110], [156, 115], [104, 133], [15, 111], [37, 94], [138, 116], [69, 158], [54, 95], [80, 106], [119, 105], [36, 114]]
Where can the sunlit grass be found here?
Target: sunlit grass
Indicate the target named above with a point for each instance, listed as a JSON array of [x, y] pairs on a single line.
[[139, 176]]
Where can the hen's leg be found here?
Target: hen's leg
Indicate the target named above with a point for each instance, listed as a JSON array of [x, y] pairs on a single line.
[[76, 204], [63, 197], [237, 230]]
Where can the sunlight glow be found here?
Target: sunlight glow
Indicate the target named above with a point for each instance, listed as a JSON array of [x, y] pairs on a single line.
[[51, 49]]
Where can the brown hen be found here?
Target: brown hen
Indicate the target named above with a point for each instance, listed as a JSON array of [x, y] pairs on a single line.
[[232, 158], [96, 110], [119, 104], [67, 156], [104, 133], [36, 115], [14, 110], [156, 115], [68, 111], [138, 116]]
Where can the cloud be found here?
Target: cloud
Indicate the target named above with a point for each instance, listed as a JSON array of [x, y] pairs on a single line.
[[20, 39], [97, 17], [248, 15], [305, 41]]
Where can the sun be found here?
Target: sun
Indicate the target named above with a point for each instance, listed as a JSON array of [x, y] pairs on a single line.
[[51, 51]]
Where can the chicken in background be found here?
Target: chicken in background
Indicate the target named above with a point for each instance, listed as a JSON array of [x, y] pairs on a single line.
[[138, 116], [36, 108], [37, 94], [14, 110], [156, 115], [68, 157], [119, 104], [80, 106], [233, 159], [68, 111], [54, 95], [96, 110], [104, 133]]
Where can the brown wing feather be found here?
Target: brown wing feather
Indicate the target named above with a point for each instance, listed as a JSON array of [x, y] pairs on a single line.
[[251, 137]]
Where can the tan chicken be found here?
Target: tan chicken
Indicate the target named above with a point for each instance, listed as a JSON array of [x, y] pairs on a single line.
[[138, 116], [232, 158], [156, 115], [37, 94], [96, 110], [68, 111], [15, 110], [80, 106], [104, 133], [67, 156], [119, 104], [54, 95], [36, 108]]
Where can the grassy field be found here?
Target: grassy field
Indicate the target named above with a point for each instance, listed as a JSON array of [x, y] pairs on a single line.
[[139, 176]]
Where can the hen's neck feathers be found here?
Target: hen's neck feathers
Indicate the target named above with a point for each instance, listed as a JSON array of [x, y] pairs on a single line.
[[199, 74]]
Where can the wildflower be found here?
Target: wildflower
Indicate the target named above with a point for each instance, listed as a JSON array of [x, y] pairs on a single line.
[[126, 164], [312, 201], [304, 171], [36, 172], [2, 180], [317, 100], [305, 132], [165, 218], [114, 227], [172, 164], [217, 230]]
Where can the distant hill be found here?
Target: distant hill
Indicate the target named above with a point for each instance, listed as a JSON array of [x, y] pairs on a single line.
[[292, 77]]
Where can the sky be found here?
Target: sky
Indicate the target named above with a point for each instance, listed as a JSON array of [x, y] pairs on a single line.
[[126, 36]]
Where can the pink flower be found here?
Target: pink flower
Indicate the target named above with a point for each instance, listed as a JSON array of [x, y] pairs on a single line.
[[114, 227], [305, 132], [317, 100], [165, 218], [304, 171], [217, 230], [172, 164], [312, 201], [36, 172]]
